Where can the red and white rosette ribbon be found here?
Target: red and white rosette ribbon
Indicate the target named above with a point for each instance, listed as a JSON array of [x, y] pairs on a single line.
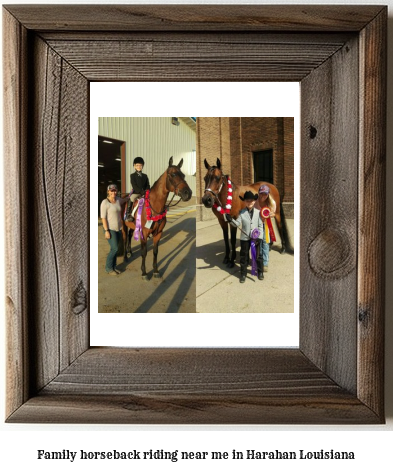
[[228, 204], [269, 231]]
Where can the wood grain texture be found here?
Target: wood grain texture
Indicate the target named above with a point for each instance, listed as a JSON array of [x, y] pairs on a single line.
[[197, 18], [329, 183], [156, 409], [193, 386], [372, 189], [52, 374], [59, 177], [15, 218], [187, 59]]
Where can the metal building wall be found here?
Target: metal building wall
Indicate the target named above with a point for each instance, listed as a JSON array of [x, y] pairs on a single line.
[[155, 139]]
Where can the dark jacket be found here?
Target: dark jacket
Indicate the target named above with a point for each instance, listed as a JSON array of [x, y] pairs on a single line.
[[139, 184]]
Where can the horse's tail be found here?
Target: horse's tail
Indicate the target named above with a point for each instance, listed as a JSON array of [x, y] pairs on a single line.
[[288, 246]]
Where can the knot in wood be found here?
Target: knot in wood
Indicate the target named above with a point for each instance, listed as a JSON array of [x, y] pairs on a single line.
[[80, 299], [331, 254], [364, 316], [313, 132]]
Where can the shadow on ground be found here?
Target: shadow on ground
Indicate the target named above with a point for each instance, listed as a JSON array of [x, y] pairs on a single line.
[[173, 292]]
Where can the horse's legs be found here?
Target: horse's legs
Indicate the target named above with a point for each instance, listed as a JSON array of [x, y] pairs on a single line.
[[224, 226], [231, 264], [156, 241], [143, 254], [124, 233], [127, 236], [130, 233]]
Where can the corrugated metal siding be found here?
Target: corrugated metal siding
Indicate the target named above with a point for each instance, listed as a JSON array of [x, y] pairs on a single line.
[[156, 140]]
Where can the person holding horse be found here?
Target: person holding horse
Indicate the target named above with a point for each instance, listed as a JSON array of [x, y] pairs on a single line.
[[112, 225], [265, 200], [251, 235], [139, 184]]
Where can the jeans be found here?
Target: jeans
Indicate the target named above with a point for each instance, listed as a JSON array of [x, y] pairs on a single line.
[[114, 247], [265, 252], [264, 249]]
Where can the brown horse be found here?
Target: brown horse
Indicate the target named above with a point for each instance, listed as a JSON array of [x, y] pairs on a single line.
[[172, 180], [216, 191]]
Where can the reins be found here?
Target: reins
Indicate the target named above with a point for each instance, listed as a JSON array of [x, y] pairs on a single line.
[[167, 206], [241, 230]]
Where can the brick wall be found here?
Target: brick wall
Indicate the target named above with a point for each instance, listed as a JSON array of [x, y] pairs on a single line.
[[235, 139], [213, 141], [289, 159]]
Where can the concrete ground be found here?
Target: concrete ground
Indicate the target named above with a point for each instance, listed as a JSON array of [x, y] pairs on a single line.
[[194, 279], [218, 289], [174, 292]]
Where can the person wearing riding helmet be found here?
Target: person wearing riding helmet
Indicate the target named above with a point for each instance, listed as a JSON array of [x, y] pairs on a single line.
[[265, 200], [139, 184]]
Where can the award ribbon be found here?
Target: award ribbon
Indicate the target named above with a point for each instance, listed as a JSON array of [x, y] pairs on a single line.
[[269, 231], [138, 224], [149, 215], [228, 205], [254, 237]]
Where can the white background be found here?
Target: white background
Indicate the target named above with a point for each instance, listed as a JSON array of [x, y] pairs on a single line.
[[167, 99], [371, 444]]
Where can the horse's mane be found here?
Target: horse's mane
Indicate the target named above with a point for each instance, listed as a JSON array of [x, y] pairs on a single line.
[[157, 180]]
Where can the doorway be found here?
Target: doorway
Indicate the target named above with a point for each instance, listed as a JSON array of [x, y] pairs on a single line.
[[263, 166], [111, 166]]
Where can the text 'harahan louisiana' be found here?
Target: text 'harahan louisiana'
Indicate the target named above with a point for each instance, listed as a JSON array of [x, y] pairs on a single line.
[[301, 454]]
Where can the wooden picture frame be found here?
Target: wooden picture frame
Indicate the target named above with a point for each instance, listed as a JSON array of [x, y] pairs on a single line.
[[338, 54]]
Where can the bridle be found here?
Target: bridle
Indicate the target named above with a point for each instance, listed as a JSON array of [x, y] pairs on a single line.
[[175, 189], [214, 193]]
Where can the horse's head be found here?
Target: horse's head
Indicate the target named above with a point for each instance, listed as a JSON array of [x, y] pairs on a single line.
[[176, 182], [214, 181]]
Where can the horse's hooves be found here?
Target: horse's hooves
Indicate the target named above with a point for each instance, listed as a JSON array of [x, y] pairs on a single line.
[[282, 251], [145, 277], [231, 264], [226, 260], [156, 275], [129, 255]]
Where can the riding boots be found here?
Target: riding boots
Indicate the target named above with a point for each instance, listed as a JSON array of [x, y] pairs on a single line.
[[244, 259], [129, 216]]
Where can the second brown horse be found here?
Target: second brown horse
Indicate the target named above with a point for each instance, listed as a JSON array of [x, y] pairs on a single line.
[[216, 191]]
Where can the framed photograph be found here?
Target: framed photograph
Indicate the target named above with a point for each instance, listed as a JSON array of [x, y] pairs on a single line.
[[338, 55], [274, 315]]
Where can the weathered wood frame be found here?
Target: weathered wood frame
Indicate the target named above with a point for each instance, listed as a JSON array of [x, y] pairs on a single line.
[[338, 53]]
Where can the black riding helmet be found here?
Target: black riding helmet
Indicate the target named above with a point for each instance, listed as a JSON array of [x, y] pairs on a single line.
[[139, 160]]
